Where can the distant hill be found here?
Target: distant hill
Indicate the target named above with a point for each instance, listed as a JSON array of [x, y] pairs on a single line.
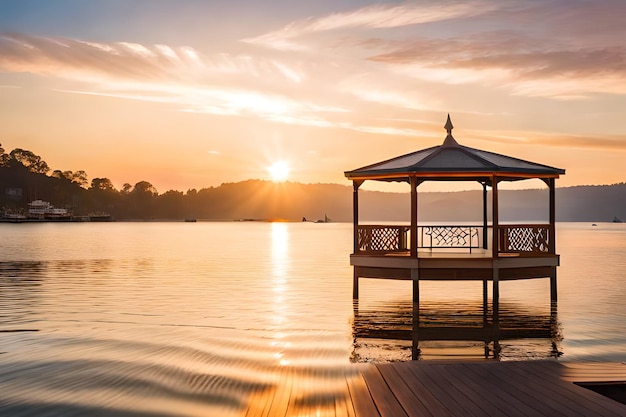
[[263, 200], [256, 199]]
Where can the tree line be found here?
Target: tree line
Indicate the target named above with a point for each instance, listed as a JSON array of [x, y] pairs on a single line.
[[25, 176]]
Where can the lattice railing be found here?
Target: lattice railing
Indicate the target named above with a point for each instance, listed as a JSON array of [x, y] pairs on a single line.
[[382, 239], [525, 239], [450, 237]]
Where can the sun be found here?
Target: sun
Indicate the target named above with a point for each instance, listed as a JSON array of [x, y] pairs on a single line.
[[279, 171]]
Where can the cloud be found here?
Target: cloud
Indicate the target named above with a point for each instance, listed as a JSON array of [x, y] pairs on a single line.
[[563, 73], [604, 142], [219, 84], [572, 57], [93, 62], [561, 49], [373, 17]]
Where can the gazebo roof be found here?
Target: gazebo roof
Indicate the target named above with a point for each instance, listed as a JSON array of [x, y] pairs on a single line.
[[451, 161]]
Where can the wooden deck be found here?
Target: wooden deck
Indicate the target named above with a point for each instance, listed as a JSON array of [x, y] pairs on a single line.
[[450, 388]]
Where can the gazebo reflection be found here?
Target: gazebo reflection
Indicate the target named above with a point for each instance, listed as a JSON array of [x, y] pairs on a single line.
[[453, 330]]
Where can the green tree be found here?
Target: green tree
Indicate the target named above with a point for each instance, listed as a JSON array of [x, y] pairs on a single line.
[[4, 158], [142, 200], [78, 177], [102, 184], [170, 205], [29, 160], [144, 188]]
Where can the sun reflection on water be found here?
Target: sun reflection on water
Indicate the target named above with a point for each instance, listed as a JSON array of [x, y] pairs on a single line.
[[280, 257]]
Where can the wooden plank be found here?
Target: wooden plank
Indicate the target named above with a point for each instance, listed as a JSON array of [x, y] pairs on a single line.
[[577, 400], [261, 402], [384, 398], [439, 388], [454, 395], [495, 391], [575, 396], [483, 399], [445, 388], [343, 406], [362, 401], [282, 395], [421, 391], [257, 403], [411, 403], [543, 392]]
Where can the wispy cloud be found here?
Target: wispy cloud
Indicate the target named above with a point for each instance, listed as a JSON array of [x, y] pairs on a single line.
[[572, 57], [219, 84], [374, 17], [92, 61], [371, 64], [527, 66], [602, 142], [578, 54]]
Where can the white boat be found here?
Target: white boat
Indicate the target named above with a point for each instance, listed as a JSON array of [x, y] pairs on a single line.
[[43, 210]]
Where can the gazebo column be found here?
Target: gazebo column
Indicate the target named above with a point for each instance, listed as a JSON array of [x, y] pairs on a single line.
[[485, 231], [355, 220], [413, 229], [414, 272], [494, 251], [494, 215], [552, 241]]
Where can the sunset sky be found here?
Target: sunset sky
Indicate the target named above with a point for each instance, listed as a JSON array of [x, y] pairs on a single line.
[[193, 93]]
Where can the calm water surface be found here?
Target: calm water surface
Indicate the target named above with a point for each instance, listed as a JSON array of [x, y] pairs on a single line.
[[193, 318]]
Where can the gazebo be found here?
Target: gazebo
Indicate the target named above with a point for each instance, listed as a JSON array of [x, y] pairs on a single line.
[[490, 251]]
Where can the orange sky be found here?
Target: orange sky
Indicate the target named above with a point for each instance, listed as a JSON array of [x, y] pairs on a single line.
[[191, 94]]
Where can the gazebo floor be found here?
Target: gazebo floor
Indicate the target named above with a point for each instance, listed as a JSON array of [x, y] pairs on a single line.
[[454, 267]]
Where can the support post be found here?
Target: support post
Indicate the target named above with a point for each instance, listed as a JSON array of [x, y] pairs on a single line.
[[485, 234], [415, 351], [494, 215], [553, 286], [355, 284], [485, 303], [485, 316], [496, 313], [552, 241], [413, 230], [355, 213], [355, 221], [496, 296]]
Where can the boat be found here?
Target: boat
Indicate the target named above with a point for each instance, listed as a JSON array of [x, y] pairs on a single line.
[[617, 220], [100, 217], [325, 220], [43, 210], [9, 217]]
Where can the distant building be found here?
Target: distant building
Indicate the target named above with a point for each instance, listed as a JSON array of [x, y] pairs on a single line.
[[13, 194]]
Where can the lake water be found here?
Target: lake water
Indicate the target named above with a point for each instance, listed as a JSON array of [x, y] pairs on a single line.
[[192, 318]]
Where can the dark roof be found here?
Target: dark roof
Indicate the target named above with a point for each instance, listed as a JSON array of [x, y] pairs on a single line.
[[451, 161]]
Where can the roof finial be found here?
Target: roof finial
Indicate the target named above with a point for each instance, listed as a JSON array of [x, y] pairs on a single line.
[[449, 141], [448, 125]]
